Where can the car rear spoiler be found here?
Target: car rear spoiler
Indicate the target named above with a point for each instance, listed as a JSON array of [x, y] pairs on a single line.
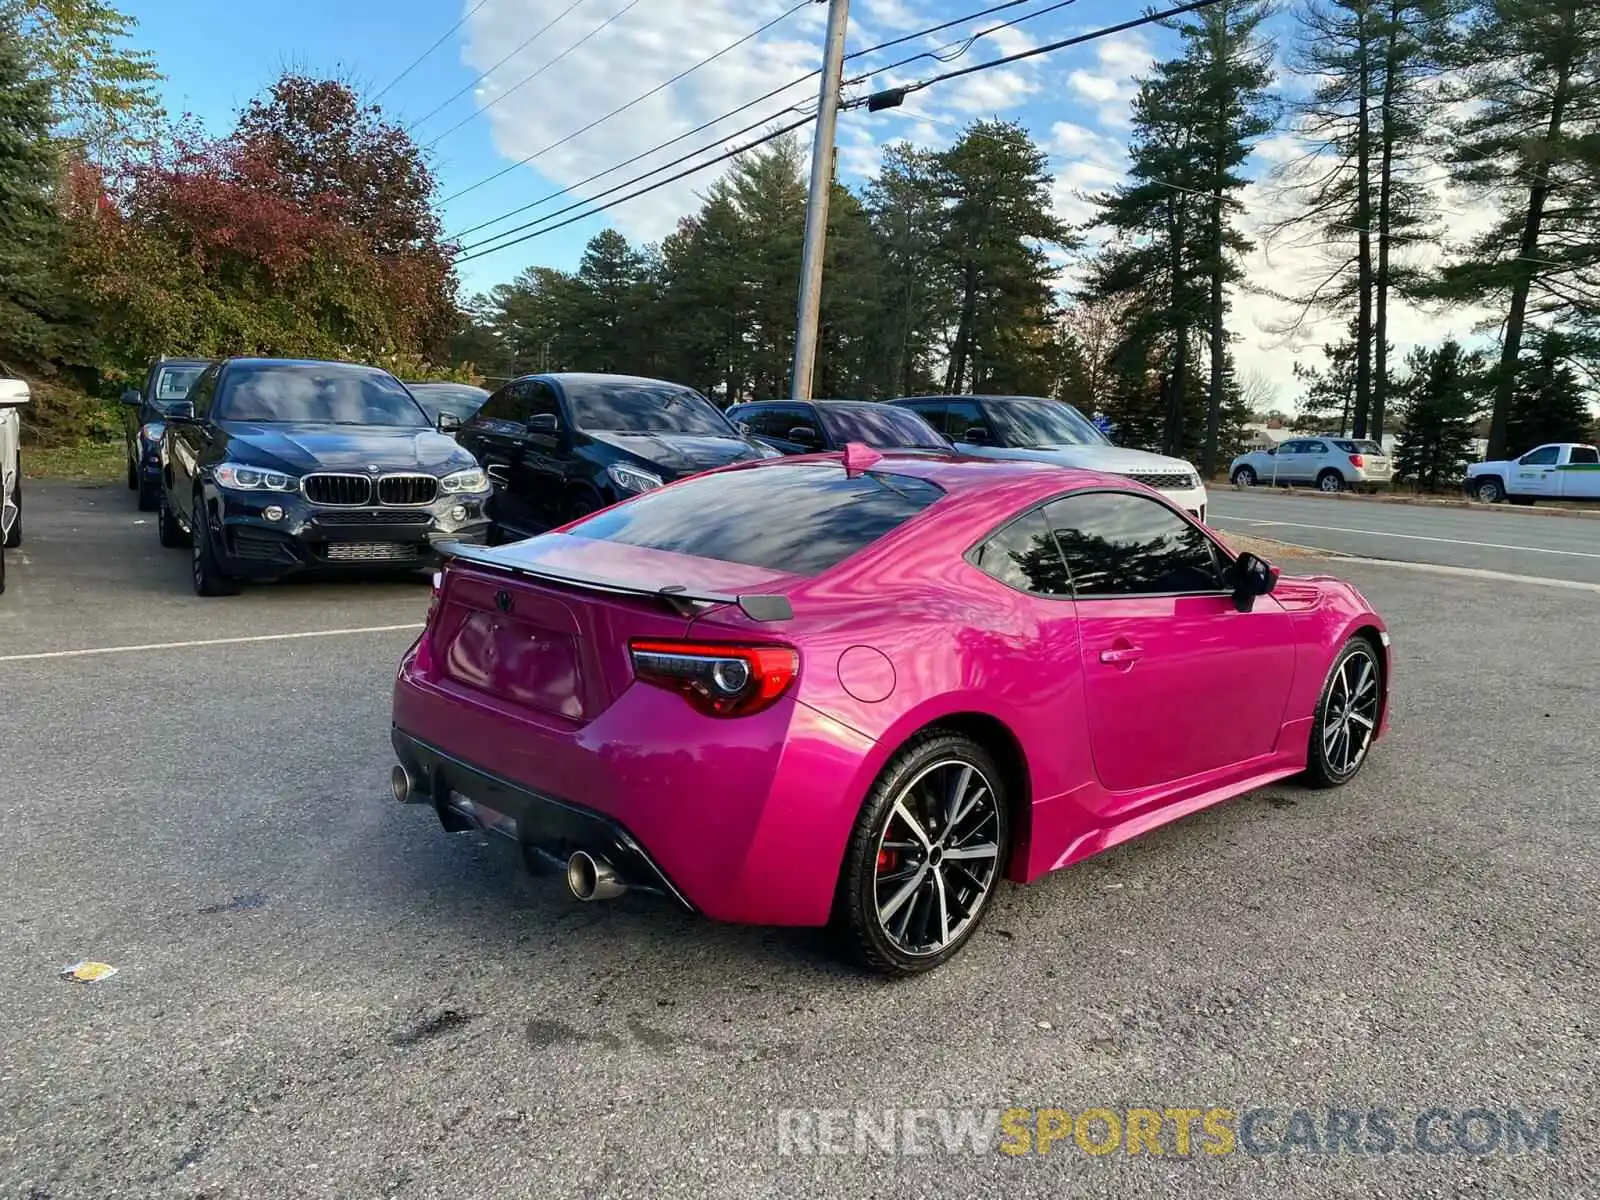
[[675, 596]]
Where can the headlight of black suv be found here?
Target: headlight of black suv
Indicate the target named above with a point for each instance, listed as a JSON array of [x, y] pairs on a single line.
[[242, 477]]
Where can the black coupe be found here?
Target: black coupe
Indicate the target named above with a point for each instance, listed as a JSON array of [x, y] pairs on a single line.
[[276, 466]]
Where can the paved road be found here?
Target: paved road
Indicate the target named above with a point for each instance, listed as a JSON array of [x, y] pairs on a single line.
[[1513, 542], [322, 995]]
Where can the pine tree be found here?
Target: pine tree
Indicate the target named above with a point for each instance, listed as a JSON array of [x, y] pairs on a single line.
[[1550, 403], [1440, 401], [1366, 123], [909, 220], [30, 228], [1230, 63], [1531, 88]]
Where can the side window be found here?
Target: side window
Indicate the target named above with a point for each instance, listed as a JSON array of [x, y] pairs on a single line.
[[1544, 456], [805, 417], [1290, 448], [1119, 544], [771, 420], [204, 392], [1314, 448], [538, 398], [1584, 455], [960, 416], [1023, 555], [931, 411], [508, 406]]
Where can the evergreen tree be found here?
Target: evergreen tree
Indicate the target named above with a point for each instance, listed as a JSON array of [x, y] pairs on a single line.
[[611, 299], [31, 299], [909, 220], [1530, 88], [1550, 403], [1366, 122], [1440, 402]]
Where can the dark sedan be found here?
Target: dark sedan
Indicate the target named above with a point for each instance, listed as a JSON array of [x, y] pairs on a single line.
[[812, 426], [278, 466], [144, 416]]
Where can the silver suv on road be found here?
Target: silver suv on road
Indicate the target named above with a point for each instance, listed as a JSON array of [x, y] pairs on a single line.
[[1330, 464]]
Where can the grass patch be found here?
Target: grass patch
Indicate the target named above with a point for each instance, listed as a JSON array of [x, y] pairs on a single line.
[[81, 462]]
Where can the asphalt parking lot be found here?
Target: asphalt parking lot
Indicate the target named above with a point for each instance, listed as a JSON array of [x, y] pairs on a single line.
[[321, 994]]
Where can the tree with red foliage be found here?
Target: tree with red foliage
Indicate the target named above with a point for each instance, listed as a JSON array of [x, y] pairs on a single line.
[[307, 232]]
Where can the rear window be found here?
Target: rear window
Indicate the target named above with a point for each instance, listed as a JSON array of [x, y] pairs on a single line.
[[881, 427], [1362, 447], [802, 519], [173, 383]]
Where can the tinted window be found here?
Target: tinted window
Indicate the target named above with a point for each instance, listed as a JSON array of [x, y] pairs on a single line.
[[767, 420], [879, 426], [539, 398], [1585, 454], [1024, 555], [317, 394], [1043, 423], [931, 411], [802, 518], [509, 405], [645, 407], [1118, 544], [461, 399], [205, 388], [1544, 456], [960, 416]]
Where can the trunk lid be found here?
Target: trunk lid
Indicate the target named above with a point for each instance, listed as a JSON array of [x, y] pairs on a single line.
[[544, 625]]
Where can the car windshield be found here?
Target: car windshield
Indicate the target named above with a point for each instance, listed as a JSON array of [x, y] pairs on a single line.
[[811, 516], [645, 407], [173, 384], [1041, 424], [879, 426], [461, 400], [317, 394]]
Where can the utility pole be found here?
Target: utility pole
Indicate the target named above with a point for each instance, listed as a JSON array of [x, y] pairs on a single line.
[[805, 334]]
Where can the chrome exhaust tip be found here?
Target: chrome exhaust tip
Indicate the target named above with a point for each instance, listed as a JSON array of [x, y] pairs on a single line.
[[400, 783], [591, 878]]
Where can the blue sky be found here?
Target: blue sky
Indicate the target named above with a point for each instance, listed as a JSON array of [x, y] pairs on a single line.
[[601, 54]]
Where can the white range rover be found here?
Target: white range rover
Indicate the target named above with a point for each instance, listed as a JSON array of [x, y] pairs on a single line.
[[1030, 427], [13, 395]]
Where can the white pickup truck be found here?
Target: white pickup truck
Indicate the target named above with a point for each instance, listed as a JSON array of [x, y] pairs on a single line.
[[13, 394], [1557, 471]]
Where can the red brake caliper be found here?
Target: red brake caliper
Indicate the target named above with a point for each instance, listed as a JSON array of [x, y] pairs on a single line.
[[887, 861]]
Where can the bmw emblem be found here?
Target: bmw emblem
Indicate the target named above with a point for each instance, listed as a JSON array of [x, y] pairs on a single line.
[[372, 468]]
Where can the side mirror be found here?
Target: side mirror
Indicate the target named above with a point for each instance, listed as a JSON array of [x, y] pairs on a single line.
[[181, 412], [448, 422], [1252, 576], [804, 435], [130, 397], [546, 423], [743, 427], [976, 434]]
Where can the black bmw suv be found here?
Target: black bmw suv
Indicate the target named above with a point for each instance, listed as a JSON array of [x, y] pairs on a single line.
[[276, 466], [557, 447]]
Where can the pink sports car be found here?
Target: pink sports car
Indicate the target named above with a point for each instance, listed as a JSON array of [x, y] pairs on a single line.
[[857, 690]]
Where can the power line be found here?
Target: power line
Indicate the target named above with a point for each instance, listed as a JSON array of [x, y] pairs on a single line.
[[785, 15], [418, 61], [893, 97], [545, 28], [965, 45], [734, 153], [527, 79]]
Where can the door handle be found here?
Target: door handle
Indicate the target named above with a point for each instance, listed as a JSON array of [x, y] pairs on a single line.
[[1121, 655]]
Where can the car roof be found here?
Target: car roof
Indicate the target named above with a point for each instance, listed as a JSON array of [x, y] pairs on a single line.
[[183, 362], [449, 383], [302, 362], [599, 377], [827, 403], [958, 474]]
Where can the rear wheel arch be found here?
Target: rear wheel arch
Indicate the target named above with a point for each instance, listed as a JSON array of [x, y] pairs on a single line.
[[1002, 745]]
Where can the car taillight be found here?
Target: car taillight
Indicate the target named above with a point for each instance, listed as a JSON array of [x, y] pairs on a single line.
[[1357, 461], [720, 680], [424, 657]]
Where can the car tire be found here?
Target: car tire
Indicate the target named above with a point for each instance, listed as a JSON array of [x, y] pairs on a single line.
[[1330, 481], [209, 578], [168, 531], [895, 873], [1489, 491], [133, 477], [149, 495], [14, 534], [2, 571], [1346, 717], [1245, 477], [579, 505]]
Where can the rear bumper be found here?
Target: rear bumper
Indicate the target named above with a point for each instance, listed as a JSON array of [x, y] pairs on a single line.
[[554, 828], [741, 820]]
